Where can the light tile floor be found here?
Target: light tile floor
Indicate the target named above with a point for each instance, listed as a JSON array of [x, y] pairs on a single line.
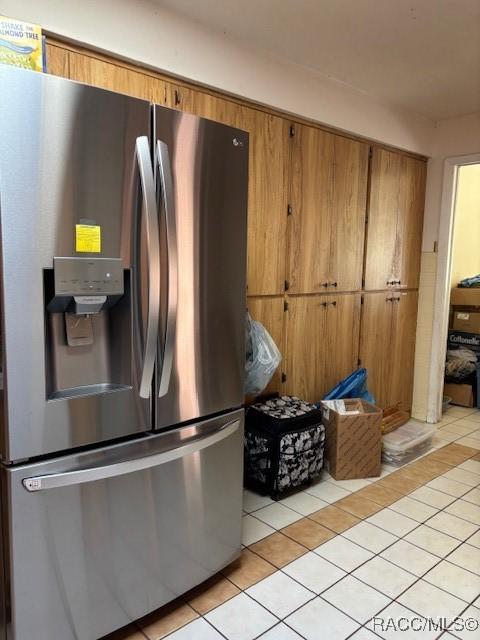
[[331, 562]]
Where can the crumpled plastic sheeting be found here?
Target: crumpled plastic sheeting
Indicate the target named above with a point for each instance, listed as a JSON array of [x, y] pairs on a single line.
[[262, 357]]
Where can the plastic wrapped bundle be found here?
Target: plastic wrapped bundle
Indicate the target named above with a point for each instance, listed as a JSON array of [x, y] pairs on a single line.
[[460, 365], [262, 357]]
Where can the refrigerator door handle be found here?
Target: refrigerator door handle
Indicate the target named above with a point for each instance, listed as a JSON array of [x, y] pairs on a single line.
[[167, 195], [145, 169], [69, 478]]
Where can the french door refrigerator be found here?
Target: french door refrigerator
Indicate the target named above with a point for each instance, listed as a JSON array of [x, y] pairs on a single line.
[[123, 234]]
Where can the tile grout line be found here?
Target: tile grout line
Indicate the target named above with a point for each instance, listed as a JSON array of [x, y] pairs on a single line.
[[336, 534], [438, 510], [375, 555], [421, 577], [378, 554]]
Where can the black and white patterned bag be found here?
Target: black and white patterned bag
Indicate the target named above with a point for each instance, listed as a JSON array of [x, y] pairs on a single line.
[[284, 442]]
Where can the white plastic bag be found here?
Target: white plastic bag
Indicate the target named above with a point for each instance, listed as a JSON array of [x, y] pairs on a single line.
[[262, 357]]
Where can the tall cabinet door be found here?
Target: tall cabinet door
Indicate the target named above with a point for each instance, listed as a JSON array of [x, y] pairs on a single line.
[[410, 225], [403, 348], [267, 201], [387, 345], [342, 335], [270, 312], [306, 346], [376, 348], [328, 199], [322, 343], [397, 196]]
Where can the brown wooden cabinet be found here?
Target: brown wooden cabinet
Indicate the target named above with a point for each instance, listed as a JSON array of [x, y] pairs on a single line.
[[267, 201], [203, 104], [322, 342], [328, 200], [57, 61], [395, 220], [270, 312], [387, 345], [115, 77]]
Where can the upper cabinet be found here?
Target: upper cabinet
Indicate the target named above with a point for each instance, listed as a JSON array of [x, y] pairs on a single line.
[[115, 77], [328, 207], [57, 60], [202, 104], [267, 201], [395, 221], [267, 198]]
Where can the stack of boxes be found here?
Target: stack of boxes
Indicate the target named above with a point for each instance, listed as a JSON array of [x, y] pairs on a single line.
[[465, 334]]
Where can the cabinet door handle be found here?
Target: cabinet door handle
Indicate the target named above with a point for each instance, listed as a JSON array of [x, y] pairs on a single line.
[[324, 304], [324, 284], [334, 303], [334, 284]]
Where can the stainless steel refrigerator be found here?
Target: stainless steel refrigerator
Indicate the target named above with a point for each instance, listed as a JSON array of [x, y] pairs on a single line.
[[123, 235]]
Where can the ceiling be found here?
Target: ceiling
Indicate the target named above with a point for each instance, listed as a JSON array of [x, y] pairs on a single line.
[[420, 55]]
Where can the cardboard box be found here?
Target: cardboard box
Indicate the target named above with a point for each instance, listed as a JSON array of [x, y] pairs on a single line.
[[460, 297], [461, 394], [353, 445], [467, 321]]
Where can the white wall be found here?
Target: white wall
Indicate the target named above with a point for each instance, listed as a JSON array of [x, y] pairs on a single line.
[[452, 137], [140, 31]]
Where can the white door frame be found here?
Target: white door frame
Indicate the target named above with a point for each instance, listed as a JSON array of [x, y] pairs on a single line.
[[442, 285]]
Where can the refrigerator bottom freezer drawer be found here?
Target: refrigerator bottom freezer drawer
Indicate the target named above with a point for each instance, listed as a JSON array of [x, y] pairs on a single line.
[[96, 540]]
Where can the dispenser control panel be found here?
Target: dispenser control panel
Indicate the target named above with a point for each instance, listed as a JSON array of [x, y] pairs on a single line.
[[88, 276]]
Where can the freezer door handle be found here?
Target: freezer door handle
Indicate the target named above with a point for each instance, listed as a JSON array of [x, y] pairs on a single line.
[[168, 207], [145, 169], [69, 478]]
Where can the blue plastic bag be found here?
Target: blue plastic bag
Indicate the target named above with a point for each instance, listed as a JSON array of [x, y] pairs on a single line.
[[353, 386]]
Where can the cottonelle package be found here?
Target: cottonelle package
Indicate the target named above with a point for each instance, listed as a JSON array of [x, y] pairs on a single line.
[[463, 365], [21, 44]]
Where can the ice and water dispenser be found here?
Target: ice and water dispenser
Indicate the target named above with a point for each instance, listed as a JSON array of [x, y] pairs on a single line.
[[88, 326]]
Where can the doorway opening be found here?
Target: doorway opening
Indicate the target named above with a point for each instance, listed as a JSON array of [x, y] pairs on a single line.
[[458, 258]]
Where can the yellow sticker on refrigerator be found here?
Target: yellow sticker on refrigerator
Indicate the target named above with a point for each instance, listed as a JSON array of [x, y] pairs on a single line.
[[88, 238]]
